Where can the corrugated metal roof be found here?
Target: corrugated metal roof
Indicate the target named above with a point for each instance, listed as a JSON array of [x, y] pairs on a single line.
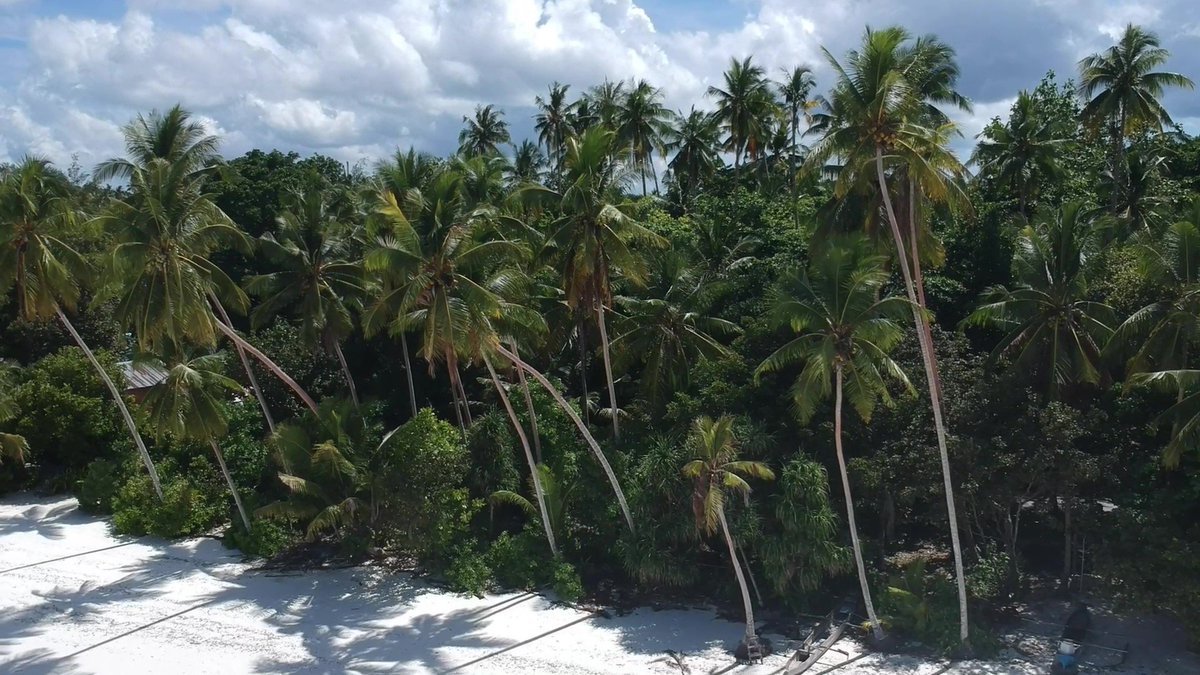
[[141, 375]]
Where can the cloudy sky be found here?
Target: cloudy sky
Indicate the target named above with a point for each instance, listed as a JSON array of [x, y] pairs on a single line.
[[357, 78]]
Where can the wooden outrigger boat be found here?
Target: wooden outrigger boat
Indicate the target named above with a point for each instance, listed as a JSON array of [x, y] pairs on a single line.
[[821, 637]]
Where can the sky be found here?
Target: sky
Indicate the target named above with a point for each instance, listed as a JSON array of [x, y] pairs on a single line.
[[356, 79]]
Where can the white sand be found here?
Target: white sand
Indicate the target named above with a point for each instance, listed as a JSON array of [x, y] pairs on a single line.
[[76, 599]]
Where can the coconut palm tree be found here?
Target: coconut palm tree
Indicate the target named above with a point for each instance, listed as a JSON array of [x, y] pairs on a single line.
[[715, 470], [883, 110], [318, 280], [845, 331], [693, 141], [1122, 90], [556, 496], [1023, 153], [593, 234], [46, 274], [742, 105], [1052, 328], [553, 123], [190, 404], [1139, 207], [641, 123], [484, 132], [796, 92], [601, 103], [527, 165]]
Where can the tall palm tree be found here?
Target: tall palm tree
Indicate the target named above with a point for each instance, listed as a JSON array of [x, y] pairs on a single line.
[[553, 123], [484, 132], [1139, 206], [1122, 90], [694, 142], [1052, 328], [190, 404], [884, 105], [714, 470], [594, 233], [641, 123], [796, 92], [527, 164], [1023, 153], [45, 272], [844, 334], [742, 105], [602, 102], [313, 247]]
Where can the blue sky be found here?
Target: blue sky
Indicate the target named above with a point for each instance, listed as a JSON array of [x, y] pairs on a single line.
[[357, 78]]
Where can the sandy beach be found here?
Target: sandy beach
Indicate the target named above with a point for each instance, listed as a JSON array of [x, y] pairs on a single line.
[[76, 599]]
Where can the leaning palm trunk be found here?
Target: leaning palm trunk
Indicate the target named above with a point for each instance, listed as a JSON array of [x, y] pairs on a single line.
[[929, 358], [587, 436], [741, 578], [237, 499], [270, 365], [262, 401], [876, 627], [412, 393], [533, 470], [337, 348], [116, 394], [533, 425], [608, 373]]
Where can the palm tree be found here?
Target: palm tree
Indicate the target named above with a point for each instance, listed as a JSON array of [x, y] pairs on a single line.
[[742, 105], [714, 469], [641, 123], [190, 404], [593, 234], [45, 272], [552, 123], [602, 103], [527, 164], [844, 334], [313, 245], [12, 446], [693, 141], [669, 328], [1024, 153], [1138, 206], [553, 492], [1052, 328], [1122, 90], [884, 103], [484, 133], [796, 92]]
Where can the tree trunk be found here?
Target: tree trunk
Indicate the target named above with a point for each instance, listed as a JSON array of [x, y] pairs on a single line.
[[581, 340], [270, 365], [533, 424], [930, 362], [792, 168], [876, 627], [741, 579], [237, 499], [250, 376], [587, 436], [120, 401], [608, 374], [1066, 571], [749, 572], [533, 469], [412, 394], [654, 173], [451, 372], [337, 347]]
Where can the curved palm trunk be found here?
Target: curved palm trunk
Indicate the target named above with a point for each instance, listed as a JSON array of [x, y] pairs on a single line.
[[237, 499], [337, 347], [120, 400], [587, 436], [924, 337], [741, 578], [876, 627], [250, 376], [452, 372], [270, 365], [412, 394], [533, 470], [749, 572], [533, 424], [612, 391]]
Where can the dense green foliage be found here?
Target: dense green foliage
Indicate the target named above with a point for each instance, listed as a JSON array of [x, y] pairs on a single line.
[[563, 370]]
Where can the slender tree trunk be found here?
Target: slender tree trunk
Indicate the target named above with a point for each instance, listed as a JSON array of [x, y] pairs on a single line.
[[581, 340], [587, 436], [337, 347], [250, 376], [120, 401], [749, 572], [792, 168], [876, 627], [270, 365], [930, 361], [535, 477], [654, 173], [644, 193], [412, 393], [1066, 571], [462, 395], [451, 372], [741, 578], [533, 424], [237, 499], [608, 373]]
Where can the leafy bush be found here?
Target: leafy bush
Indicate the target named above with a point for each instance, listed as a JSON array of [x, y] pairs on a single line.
[[567, 584], [989, 579], [99, 486], [247, 453], [924, 606], [517, 560], [468, 571], [266, 538], [192, 504]]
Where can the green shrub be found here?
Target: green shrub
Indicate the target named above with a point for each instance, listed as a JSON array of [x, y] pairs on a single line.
[[192, 504], [567, 584], [924, 606], [468, 571], [99, 486], [266, 539], [517, 560], [989, 579], [245, 447]]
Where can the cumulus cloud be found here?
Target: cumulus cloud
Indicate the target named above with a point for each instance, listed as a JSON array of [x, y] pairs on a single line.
[[356, 78]]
